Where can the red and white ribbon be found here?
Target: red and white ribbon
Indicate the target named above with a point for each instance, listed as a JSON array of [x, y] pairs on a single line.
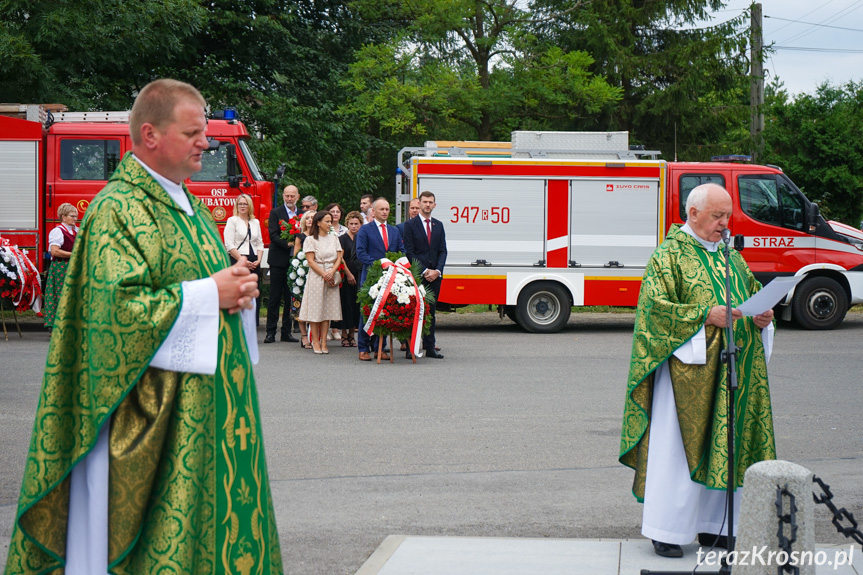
[[28, 274], [391, 270]]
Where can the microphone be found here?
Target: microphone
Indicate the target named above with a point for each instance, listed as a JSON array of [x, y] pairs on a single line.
[[726, 236]]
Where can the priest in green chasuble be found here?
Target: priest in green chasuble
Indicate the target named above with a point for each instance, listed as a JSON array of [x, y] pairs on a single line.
[[675, 420], [147, 454]]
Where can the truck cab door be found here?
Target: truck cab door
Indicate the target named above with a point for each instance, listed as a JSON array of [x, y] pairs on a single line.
[[773, 218], [210, 185]]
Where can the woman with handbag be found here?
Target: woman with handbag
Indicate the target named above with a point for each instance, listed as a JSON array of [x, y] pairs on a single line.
[[321, 302], [243, 238]]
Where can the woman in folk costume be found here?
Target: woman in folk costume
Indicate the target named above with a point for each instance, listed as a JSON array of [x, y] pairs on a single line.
[[60, 242], [147, 454]]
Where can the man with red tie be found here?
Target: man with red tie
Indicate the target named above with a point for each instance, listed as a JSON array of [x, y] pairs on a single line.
[[374, 240], [425, 241]]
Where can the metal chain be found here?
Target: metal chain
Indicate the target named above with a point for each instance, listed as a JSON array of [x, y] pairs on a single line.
[[790, 519], [839, 515]]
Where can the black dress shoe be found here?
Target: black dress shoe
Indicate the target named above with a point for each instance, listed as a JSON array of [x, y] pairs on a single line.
[[667, 549], [433, 354], [289, 337], [270, 338], [708, 539]]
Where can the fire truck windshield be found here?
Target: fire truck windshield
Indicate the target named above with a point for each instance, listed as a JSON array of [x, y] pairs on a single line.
[[250, 161]]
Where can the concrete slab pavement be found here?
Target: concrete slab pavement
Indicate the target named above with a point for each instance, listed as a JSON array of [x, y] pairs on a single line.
[[408, 555]]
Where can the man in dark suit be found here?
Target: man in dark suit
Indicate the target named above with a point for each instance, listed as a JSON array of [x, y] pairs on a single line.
[[413, 210], [425, 241], [374, 240], [279, 259]]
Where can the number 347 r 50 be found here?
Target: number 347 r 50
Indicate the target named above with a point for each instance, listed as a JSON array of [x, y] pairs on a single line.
[[473, 214]]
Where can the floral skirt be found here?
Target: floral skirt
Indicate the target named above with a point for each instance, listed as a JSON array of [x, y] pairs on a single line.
[[53, 286]]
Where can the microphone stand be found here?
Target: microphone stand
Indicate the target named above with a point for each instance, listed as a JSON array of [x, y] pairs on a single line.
[[728, 356]]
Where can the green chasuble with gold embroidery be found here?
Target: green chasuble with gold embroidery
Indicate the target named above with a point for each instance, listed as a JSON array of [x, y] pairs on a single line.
[[188, 488], [683, 280]]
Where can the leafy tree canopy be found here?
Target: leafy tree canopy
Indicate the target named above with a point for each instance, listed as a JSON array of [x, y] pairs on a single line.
[[815, 138], [679, 83], [468, 69], [89, 54]]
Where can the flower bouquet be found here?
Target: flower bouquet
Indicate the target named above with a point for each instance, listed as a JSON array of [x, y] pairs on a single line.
[[290, 229], [297, 276], [394, 301], [20, 286]]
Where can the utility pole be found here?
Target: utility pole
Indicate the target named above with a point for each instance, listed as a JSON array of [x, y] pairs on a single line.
[[756, 86]]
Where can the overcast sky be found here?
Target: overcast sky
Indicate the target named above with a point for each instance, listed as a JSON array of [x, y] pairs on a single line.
[[799, 70]]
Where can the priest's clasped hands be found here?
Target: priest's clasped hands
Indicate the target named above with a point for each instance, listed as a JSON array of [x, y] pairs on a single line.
[[717, 317], [238, 287]]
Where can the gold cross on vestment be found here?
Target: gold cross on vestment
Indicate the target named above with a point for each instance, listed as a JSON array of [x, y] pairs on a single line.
[[243, 432]]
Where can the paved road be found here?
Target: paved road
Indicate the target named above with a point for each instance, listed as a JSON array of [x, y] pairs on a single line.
[[512, 435]]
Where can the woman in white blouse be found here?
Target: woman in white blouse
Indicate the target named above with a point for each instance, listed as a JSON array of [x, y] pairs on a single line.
[[336, 211], [243, 238], [60, 242]]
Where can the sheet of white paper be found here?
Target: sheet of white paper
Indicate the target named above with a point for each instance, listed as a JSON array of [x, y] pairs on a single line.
[[769, 295]]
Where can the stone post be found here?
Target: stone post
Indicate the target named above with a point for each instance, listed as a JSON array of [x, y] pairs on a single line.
[[759, 524]]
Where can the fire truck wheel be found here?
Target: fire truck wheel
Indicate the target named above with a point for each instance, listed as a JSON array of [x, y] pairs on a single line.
[[820, 303], [543, 307]]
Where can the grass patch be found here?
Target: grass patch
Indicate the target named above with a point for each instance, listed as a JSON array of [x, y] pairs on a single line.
[[602, 309], [476, 308], [7, 312]]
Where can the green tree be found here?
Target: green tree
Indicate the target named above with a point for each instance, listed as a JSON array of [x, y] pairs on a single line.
[[277, 61], [89, 54], [815, 138], [467, 69], [679, 83]]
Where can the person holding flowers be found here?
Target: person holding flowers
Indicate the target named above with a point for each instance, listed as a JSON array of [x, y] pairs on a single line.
[[297, 276], [335, 210], [373, 243], [321, 303], [60, 242], [278, 257]]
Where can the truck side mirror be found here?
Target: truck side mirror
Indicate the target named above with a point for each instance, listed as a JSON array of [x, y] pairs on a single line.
[[739, 242], [814, 214], [233, 179]]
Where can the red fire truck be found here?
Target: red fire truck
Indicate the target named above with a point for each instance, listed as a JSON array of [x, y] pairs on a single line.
[[535, 230], [48, 158]]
